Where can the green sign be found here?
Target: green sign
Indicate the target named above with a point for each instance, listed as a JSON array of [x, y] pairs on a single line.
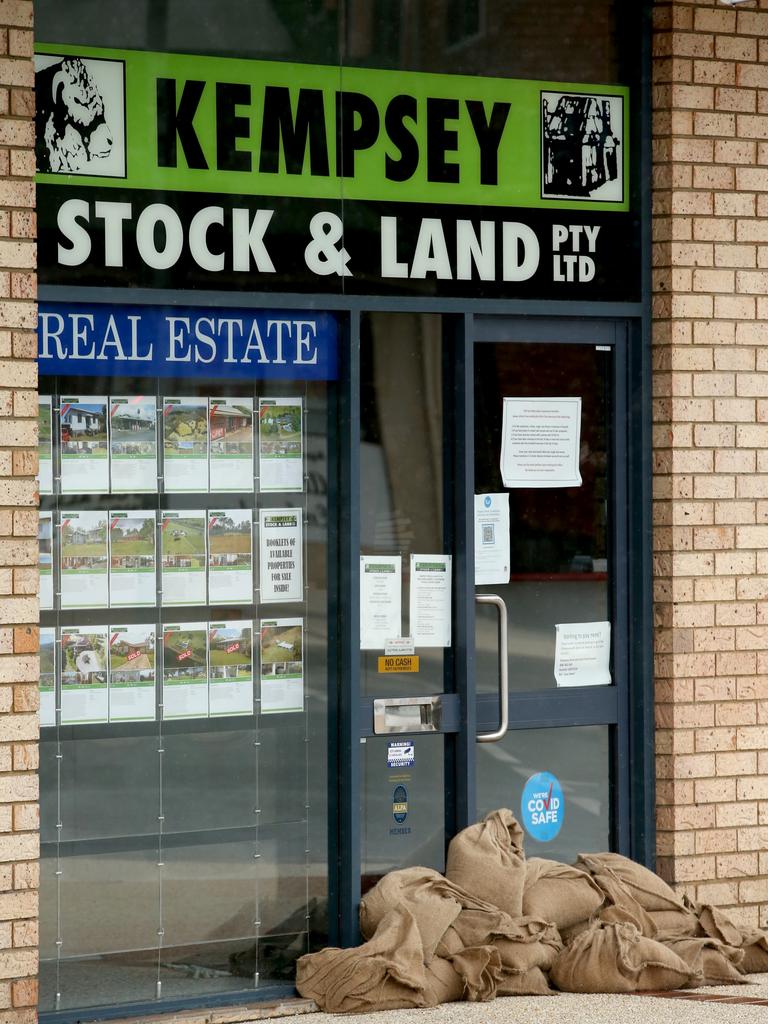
[[176, 122]]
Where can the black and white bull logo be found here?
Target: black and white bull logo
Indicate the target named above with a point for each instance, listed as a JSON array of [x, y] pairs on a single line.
[[70, 125]]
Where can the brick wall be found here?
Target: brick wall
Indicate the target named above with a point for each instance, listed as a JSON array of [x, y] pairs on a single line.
[[711, 450], [18, 522]]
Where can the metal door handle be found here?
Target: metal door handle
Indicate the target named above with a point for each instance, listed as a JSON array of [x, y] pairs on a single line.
[[494, 737]]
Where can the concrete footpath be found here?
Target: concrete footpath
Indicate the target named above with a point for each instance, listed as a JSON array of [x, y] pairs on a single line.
[[726, 1005]]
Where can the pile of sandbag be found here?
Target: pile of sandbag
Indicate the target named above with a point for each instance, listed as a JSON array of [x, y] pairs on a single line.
[[500, 924]]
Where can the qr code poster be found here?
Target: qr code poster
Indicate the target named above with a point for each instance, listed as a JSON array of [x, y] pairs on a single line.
[[582, 146], [489, 534]]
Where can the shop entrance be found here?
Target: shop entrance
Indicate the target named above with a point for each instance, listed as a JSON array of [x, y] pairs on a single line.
[[497, 450]]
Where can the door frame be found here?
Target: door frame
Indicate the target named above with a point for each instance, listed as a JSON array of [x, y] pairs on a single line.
[[610, 705]]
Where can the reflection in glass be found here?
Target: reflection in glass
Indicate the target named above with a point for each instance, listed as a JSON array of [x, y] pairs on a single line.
[[559, 537], [580, 759]]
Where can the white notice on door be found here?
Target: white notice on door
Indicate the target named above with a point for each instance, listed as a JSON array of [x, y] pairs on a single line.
[[491, 539], [380, 600], [430, 608], [582, 654], [540, 442]]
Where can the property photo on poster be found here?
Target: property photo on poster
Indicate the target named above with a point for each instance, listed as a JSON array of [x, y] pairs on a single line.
[[84, 446], [281, 665], [84, 694], [133, 445], [131, 673], [84, 558], [185, 670], [185, 444], [182, 540], [230, 428], [45, 542], [45, 444], [132, 567], [281, 448], [230, 671], [230, 556], [47, 677]]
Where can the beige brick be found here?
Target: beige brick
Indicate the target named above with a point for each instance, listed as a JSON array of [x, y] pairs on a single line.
[[744, 100]]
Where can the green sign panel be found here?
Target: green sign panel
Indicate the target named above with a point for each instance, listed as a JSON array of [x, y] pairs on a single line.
[[177, 122]]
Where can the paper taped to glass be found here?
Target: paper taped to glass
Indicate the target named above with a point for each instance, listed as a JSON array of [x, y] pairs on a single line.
[[540, 442]]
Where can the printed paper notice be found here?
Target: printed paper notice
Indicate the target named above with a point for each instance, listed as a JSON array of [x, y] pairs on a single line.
[[230, 429], [540, 442], [45, 445], [84, 447], [282, 665], [230, 680], [185, 670], [582, 654], [431, 600], [185, 444], [84, 557], [182, 540], [47, 676], [133, 444], [281, 462], [492, 564], [45, 541], [84, 694], [132, 570], [280, 555], [380, 600], [131, 673], [230, 556]]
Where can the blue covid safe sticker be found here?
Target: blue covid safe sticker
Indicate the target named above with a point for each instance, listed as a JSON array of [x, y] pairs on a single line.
[[400, 804], [401, 754], [542, 806], [104, 340]]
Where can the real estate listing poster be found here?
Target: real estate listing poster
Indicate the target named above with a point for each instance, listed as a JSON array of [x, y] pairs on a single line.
[[230, 668], [281, 660], [84, 693], [185, 444], [281, 447], [133, 444], [47, 676], [280, 555], [84, 560], [45, 444], [131, 673], [45, 540], [230, 428], [230, 556], [132, 567], [83, 444], [185, 670], [182, 541]]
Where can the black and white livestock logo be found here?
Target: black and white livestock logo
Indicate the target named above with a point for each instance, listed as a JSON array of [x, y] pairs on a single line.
[[581, 147], [80, 118]]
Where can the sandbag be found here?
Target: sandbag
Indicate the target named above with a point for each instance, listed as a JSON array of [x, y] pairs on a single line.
[[712, 962], [386, 973], [480, 970], [487, 860], [617, 958], [443, 983], [754, 942], [674, 922], [526, 983], [434, 903], [650, 891], [559, 893]]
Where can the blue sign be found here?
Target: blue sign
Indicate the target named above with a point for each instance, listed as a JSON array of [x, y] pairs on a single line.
[[401, 754], [400, 804], [97, 340], [542, 806]]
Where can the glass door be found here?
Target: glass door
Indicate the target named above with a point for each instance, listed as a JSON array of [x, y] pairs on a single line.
[[550, 577]]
